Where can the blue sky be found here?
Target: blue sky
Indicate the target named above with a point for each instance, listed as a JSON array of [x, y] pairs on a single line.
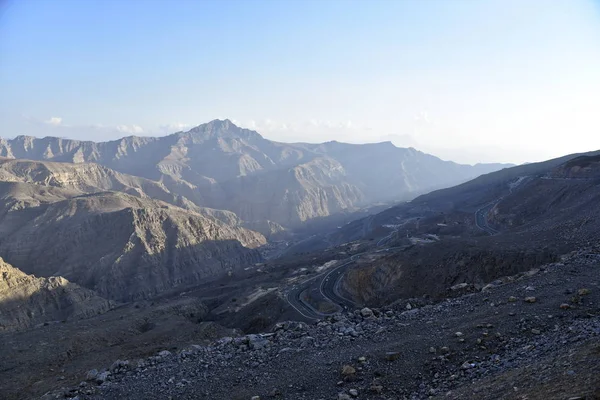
[[471, 81]]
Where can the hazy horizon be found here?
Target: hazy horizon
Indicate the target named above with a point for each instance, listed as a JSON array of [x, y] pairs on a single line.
[[289, 142], [489, 81]]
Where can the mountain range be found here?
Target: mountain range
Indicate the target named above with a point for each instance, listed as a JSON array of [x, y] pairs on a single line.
[[222, 166], [136, 217], [124, 249]]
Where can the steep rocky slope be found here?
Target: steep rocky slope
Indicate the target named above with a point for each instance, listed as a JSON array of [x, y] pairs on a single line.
[[382, 168], [86, 178], [121, 246], [26, 301], [295, 195], [564, 187], [472, 234], [218, 165], [535, 337], [583, 167]]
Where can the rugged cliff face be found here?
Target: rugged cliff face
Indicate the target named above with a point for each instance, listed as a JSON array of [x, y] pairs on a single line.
[[121, 246], [562, 203], [583, 167], [222, 166], [433, 270], [26, 301], [86, 178]]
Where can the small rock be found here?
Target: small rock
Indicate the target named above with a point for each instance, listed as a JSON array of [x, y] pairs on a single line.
[[512, 299], [583, 292], [445, 350], [343, 396], [535, 331], [164, 353], [118, 365], [91, 375], [392, 355], [467, 365], [530, 299], [353, 392], [362, 359], [366, 312], [348, 370], [488, 287], [257, 342], [458, 334], [408, 306], [255, 398], [565, 306], [102, 377], [432, 349], [459, 286]]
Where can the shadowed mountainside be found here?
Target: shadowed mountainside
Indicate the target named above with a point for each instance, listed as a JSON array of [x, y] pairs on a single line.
[[26, 300], [536, 213], [121, 246], [525, 185]]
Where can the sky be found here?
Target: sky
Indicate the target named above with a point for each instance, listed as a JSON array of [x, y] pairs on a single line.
[[470, 81]]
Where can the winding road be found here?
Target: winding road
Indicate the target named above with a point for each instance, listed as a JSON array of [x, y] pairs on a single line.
[[480, 215], [326, 283], [481, 220], [326, 286]]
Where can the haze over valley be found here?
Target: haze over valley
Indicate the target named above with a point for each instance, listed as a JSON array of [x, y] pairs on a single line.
[[299, 200]]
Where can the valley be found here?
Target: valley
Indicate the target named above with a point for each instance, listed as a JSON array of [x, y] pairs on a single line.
[[125, 267], [299, 200]]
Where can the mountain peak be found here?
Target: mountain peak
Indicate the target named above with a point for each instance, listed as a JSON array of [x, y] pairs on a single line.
[[218, 128]]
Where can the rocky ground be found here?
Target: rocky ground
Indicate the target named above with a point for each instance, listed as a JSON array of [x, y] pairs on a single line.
[[536, 335]]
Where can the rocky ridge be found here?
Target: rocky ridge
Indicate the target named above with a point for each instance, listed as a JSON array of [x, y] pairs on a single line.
[[26, 301], [121, 246]]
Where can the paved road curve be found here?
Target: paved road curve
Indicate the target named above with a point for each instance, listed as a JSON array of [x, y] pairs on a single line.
[[481, 220], [328, 284]]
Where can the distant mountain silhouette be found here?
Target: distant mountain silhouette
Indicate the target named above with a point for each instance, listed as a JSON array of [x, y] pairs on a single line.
[[222, 166]]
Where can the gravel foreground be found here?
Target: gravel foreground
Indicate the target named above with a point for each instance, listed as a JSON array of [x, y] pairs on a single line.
[[532, 336]]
